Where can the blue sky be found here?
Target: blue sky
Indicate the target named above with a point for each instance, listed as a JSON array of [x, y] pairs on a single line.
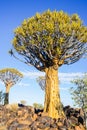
[[12, 13]]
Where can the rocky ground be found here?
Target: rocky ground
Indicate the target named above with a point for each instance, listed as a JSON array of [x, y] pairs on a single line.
[[27, 118]]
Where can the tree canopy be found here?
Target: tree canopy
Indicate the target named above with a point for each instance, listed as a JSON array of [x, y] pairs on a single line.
[[10, 75], [48, 36]]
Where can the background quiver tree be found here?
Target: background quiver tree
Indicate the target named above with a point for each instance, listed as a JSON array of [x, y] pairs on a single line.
[[79, 92], [9, 76], [47, 41], [41, 81], [37, 106]]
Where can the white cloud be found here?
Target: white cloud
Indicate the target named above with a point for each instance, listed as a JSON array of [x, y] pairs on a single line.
[[71, 74], [23, 84], [67, 77], [63, 77], [33, 74], [64, 88], [1, 83]]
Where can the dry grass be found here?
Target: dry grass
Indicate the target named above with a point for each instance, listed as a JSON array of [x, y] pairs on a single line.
[[13, 107]]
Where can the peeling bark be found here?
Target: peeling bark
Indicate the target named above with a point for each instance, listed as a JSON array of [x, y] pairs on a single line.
[[52, 104]]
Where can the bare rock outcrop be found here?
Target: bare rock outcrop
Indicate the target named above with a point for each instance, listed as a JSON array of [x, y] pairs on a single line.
[[28, 118]]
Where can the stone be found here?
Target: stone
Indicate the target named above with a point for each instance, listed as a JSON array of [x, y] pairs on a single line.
[[12, 127], [42, 126], [44, 114], [78, 128], [25, 118], [53, 129], [82, 127], [80, 120], [53, 125], [59, 124], [62, 128], [73, 120], [81, 112], [22, 127], [34, 117], [19, 113], [34, 125], [24, 122]]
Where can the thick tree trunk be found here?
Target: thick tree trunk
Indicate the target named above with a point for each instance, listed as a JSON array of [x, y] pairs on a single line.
[[52, 104], [6, 100]]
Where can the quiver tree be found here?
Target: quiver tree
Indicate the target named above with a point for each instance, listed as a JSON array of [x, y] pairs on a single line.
[[9, 77], [41, 81], [79, 92], [47, 41]]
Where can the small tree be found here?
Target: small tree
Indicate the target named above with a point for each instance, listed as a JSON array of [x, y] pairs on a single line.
[[10, 77], [47, 41], [79, 92], [37, 105], [23, 102]]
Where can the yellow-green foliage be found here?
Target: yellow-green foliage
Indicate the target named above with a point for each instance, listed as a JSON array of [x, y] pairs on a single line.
[[37, 105], [11, 70], [50, 22]]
